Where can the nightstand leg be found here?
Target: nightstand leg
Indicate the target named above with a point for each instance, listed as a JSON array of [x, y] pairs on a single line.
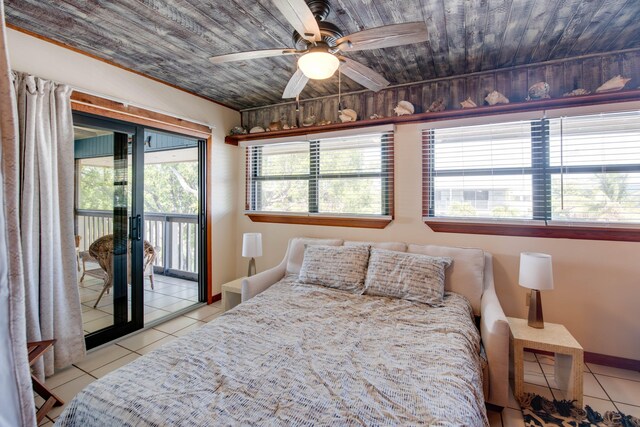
[[568, 374], [518, 371]]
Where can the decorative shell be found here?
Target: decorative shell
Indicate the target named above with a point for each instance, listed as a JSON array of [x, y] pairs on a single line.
[[375, 116], [539, 90], [238, 130], [437, 105], [256, 129], [613, 84], [468, 103], [404, 108], [309, 121], [496, 97], [577, 92], [348, 115], [285, 126], [324, 122], [277, 125]]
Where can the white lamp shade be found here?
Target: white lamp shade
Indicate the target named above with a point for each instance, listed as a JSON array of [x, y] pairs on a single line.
[[251, 245], [318, 65], [536, 271]]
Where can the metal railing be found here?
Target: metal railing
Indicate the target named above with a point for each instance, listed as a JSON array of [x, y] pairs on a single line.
[[174, 237]]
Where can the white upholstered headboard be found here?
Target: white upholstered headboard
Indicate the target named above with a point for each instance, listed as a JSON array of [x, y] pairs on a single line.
[[465, 276]]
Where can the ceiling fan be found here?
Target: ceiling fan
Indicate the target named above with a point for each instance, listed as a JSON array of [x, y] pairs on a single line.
[[320, 45]]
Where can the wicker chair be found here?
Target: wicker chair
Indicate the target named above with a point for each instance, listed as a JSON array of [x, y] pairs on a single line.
[[102, 251]]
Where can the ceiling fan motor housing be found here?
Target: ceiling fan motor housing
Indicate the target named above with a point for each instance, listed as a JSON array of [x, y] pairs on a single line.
[[329, 32]]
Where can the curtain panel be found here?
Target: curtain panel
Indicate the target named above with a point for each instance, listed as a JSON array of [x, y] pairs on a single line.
[[46, 167], [15, 381]]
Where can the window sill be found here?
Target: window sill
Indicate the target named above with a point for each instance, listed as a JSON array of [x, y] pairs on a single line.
[[527, 230], [332, 221]]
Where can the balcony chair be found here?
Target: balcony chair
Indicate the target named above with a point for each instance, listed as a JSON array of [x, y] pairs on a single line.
[[102, 251]]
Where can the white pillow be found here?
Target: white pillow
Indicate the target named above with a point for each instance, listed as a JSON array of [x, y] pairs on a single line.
[[413, 277], [296, 251], [339, 267], [466, 274]]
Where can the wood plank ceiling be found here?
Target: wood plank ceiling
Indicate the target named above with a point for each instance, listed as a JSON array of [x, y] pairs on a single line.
[[171, 40]]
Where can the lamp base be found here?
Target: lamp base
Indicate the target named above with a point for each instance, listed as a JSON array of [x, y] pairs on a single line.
[[535, 310], [252, 267]]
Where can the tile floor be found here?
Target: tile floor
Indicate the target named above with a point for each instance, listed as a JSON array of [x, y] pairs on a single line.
[[169, 295], [605, 388], [68, 382]]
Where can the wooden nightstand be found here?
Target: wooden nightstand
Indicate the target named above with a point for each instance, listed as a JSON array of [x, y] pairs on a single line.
[[231, 294], [569, 362]]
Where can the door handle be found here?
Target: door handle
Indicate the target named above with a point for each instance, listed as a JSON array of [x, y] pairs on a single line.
[[139, 227]]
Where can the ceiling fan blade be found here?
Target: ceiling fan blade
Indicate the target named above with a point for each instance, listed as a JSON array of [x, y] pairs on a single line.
[[253, 54], [297, 82], [300, 17], [387, 36], [363, 75]]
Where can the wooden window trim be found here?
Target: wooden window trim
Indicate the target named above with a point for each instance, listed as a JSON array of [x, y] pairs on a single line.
[[496, 228], [546, 231], [91, 104], [331, 221], [354, 220]]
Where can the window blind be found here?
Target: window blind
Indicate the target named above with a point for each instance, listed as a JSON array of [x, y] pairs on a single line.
[[349, 175], [583, 169]]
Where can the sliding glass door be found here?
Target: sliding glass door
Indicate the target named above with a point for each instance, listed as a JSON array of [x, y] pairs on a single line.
[[139, 201]]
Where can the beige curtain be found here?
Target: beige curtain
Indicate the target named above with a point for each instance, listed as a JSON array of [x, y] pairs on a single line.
[[15, 383], [46, 219]]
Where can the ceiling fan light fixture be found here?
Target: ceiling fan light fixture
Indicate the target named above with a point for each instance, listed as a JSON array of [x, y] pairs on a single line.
[[318, 65]]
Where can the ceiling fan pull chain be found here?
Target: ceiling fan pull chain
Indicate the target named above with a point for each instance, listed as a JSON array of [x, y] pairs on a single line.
[[298, 110], [339, 91]]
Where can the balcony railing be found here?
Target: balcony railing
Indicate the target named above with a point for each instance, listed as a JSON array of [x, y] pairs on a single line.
[[174, 237]]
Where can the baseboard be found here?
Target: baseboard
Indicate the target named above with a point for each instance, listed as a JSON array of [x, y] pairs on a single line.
[[602, 359], [215, 298]]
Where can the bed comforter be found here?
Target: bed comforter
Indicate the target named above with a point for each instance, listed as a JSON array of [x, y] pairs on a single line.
[[303, 355]]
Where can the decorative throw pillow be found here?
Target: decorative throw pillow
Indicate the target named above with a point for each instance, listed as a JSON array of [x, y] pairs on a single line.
[[340, 267], [413, 277]]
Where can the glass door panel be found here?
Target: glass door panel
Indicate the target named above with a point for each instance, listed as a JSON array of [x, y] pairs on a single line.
[[172, 206], [106, 229]]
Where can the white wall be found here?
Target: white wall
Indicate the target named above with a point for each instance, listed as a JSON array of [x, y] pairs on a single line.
[[50, 61], [597, 292]]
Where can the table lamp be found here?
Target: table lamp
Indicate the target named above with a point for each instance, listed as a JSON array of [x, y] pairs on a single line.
[[537, 275], [251, 248]]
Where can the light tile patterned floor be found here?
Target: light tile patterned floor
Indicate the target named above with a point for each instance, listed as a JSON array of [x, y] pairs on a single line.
[[605, 388], [169, 295], [68, 382]]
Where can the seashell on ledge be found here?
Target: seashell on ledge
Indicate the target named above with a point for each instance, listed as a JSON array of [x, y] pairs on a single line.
[[257, 129], [577, 92], [404, 108], [496, 97], [468, 103], [613, 84], [539, 90], [348, 115], [437, 105]]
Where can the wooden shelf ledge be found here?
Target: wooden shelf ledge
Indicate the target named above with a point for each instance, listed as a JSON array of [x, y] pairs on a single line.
[[543, 104], [332, 221]]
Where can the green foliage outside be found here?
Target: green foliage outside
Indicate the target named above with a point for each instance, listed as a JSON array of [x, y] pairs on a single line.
[[168, 188]]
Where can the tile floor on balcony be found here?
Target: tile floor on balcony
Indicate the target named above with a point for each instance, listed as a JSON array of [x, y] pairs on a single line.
[[169, 295]]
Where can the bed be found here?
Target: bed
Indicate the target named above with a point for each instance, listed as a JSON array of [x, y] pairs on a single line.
[[295, 353]]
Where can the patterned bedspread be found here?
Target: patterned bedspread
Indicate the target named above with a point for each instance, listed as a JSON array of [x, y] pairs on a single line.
[[303, 355]]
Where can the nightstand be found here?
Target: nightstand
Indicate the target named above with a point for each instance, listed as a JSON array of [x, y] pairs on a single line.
[[554, 338], [231, 294]]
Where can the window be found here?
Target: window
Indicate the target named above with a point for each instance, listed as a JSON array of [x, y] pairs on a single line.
[[349, 176], [581, 171]]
